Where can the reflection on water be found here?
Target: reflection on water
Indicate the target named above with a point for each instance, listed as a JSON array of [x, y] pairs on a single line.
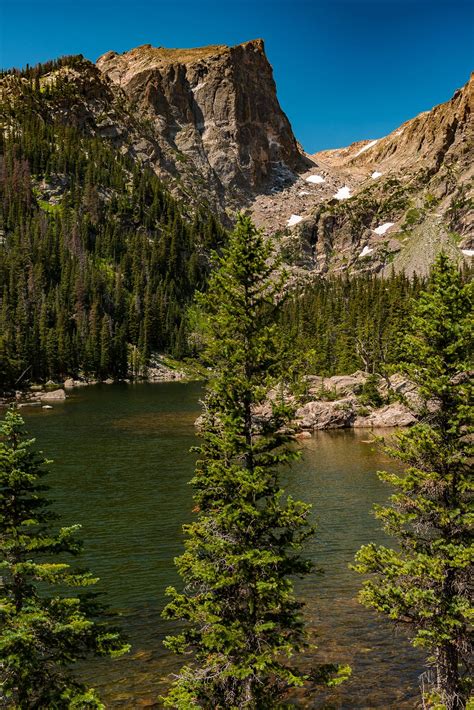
[[121, 469]]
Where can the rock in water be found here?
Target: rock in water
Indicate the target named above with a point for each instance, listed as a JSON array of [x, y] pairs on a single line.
[[54, 396]]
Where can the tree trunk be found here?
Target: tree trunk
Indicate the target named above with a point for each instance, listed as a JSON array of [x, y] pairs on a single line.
[[448, 679]]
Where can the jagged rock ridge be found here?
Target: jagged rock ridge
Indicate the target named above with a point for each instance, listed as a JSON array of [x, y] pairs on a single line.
[[208, 121], [393, 202]]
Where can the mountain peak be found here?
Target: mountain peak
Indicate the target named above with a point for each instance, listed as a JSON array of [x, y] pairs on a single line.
[[171, 55], [213, 109]]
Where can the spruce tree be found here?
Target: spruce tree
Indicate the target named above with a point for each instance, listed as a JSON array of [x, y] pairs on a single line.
[[243, 622], [42, 630], [426, 582]]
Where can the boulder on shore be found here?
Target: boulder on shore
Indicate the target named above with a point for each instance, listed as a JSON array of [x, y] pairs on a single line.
[[392, 415], [341, 384], [325, 415]]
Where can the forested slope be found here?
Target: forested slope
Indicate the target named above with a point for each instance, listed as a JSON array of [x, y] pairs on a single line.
[[98, 260]]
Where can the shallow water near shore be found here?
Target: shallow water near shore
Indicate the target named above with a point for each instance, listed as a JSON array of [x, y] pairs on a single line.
[[121, 467]]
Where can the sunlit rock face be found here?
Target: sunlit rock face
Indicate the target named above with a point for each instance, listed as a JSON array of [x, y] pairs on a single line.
[[214, 112]]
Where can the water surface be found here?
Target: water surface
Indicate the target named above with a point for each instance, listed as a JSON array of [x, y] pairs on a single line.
[[121, 467]]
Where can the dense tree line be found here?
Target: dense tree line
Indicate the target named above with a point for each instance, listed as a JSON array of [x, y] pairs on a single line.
[[33, 72], [344, 324], [98, 261]]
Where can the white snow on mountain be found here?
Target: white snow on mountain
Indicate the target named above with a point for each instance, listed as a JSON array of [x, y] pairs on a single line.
[[381, 229], [294, 219], [315, 179], [343, 193], [366, 147]]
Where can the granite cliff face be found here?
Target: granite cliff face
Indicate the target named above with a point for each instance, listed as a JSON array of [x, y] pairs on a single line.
[[214, 114]]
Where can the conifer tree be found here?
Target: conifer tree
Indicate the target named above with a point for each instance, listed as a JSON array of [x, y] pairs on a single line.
[[243, 621], [426, 583], [42, 630]]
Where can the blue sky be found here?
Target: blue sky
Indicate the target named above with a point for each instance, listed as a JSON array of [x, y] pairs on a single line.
[[345, 69]]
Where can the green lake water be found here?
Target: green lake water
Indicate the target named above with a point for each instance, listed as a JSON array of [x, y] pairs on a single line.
[[121, 467]]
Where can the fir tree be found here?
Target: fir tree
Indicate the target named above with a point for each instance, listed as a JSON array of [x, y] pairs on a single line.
[[426, 583], [42, 631], [243, 621]]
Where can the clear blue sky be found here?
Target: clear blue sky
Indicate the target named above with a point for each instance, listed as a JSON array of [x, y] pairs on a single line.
[[345, 69]]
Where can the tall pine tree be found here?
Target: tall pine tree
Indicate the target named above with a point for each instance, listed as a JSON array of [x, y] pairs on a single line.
[[242, 551], [426, 583], [42, 630]]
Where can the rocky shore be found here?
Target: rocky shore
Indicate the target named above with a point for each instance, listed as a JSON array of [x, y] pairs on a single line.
[[55, 392], [359, 400]]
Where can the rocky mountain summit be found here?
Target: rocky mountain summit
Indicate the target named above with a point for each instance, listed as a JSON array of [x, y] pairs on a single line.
[[214, 113]]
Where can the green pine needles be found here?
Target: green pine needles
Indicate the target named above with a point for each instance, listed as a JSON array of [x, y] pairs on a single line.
[[42, 630], [426, 583], [243, 622]]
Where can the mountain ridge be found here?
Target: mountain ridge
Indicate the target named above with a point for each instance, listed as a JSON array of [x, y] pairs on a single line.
[[208, 122]]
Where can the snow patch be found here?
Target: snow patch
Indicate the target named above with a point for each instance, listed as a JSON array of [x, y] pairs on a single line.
[[294, 219], [381, 229], [366, 250], [304, 192], [315, 179], [376, 175], [468, 252], [366, 147], [343, 193]]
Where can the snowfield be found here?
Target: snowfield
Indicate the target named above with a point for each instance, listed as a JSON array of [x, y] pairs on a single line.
[[294, 219], [366, 250], [468, 252], [381, 229], [376, 175], [366, 147], [315, 179]]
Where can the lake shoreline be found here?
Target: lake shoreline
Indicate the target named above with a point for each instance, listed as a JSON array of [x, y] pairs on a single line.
[[329, 402]]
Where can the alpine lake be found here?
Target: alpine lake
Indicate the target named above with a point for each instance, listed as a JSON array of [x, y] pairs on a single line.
[[122, 464]]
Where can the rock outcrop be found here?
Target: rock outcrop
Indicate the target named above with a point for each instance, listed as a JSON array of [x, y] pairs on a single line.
[[325, 415], [214, 114], [395, 414], [340, 402]]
